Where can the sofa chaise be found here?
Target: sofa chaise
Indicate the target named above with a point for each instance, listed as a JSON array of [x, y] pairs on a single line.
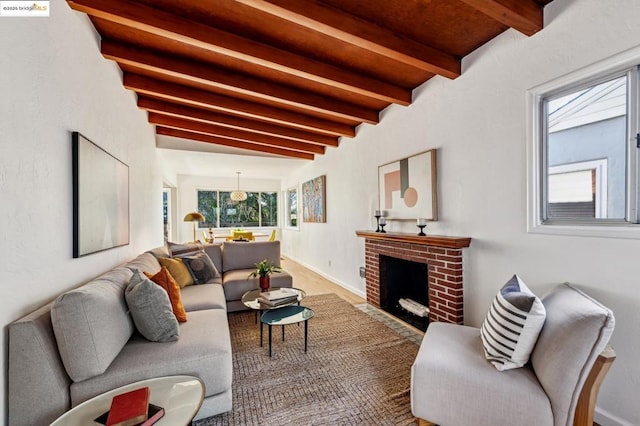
[[85, 342]]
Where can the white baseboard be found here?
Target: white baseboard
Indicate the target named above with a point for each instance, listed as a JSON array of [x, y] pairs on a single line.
[[604, 418], [329, 277]]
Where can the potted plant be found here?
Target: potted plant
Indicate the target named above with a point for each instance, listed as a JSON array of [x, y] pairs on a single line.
[[263, 270]]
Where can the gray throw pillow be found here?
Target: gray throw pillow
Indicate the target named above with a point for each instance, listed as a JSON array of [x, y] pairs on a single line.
[[201, 267], [151, 310]]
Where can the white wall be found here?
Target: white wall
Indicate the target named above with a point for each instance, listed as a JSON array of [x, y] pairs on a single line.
[[188, 185], [478, 123], [54, 81]]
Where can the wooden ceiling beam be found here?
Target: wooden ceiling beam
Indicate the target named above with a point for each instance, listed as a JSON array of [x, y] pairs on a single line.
[[235, 134], [525, 16], [202, 98], [208, 75], [234, 122], [353, 30], [231, 143], [192, 33]]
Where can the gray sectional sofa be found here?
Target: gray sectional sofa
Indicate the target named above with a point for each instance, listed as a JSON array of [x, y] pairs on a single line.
[[85, 343]]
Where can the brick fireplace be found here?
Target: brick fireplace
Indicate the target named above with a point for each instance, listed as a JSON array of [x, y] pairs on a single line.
[[443, 256]]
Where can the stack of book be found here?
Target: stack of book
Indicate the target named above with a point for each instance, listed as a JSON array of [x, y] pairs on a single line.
[[131, 409], [278, 297]]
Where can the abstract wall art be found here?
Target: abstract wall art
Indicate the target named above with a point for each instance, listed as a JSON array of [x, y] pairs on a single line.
[[100, 198], [313, 200], [407, 187]]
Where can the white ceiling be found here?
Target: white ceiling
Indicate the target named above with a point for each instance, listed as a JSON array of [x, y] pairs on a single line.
[[219, 161]]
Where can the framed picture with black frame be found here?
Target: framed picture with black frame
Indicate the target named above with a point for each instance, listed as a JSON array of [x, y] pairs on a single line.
[[100, 198]]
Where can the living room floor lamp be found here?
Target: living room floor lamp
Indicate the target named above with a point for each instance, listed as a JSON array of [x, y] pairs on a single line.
[[194, 217]]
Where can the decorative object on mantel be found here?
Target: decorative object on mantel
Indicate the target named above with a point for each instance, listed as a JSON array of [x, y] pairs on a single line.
[[377, 215], [383, 222], [407, 187], [421, 224], [194, 217], [263, 270], [238, 195], [313, 200]]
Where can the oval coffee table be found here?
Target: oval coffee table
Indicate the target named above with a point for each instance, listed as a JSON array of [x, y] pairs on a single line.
[[180, 396], [291, 314], [250, 300]]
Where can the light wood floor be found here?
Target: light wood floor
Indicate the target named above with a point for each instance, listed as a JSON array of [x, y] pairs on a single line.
[[313, 283]]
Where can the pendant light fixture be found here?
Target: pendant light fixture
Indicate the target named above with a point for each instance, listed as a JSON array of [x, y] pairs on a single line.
[[238, 195]]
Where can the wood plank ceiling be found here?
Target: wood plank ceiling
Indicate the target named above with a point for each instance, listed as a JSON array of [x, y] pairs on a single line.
[[290, 77]]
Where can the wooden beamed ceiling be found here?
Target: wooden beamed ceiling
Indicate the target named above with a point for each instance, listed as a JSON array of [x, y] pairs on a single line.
[[290, 77]]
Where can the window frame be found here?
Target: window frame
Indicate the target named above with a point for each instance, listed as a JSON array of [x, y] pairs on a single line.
[[219, 194], [624, 63], [287, 207]]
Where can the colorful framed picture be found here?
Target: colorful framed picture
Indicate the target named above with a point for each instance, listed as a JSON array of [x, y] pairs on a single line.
[[407, 187], [313, 200]]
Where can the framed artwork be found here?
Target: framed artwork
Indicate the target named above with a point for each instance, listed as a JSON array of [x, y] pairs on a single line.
[[100, 198], [313, 200], [407, 187]]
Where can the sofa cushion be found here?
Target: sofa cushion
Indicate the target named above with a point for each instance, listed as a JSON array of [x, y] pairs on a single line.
[[151, 309], [512, 325], [577, 329], [203, 296], [201, 267], [146, 262], [451, 359], [203, 350], [237, 282], [178, 271], [166, 281], [237, 255], [215, 254], [176, 250], [79, 316]]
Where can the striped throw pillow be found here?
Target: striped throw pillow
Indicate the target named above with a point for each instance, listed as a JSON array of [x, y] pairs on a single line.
[[512, 326], [186, 249]]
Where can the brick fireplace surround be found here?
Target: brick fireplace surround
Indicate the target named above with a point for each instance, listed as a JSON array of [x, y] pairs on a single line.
[[443, 256]]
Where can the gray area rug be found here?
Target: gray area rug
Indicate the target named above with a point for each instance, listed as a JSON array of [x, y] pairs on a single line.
[[356, 371]]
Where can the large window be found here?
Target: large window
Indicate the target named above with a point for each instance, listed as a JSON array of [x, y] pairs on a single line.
[[259, 209], [585, 153]]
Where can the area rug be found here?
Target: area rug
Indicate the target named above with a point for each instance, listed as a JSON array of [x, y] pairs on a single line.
[[356, 371]]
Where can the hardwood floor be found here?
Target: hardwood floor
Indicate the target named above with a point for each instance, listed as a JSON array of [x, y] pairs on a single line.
[[313, 283]]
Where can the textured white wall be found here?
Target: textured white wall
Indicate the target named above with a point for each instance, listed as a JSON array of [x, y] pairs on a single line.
[[55, 81], [478, 124]]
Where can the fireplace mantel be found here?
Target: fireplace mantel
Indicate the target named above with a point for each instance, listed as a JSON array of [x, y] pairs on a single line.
[[442, 254], [429, 240]]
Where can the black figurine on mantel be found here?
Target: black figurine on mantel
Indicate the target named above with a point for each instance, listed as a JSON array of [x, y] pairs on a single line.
[[422, 223], [377, 215], [383, 222]]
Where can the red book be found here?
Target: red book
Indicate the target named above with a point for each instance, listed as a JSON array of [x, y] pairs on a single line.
[[130, 408]]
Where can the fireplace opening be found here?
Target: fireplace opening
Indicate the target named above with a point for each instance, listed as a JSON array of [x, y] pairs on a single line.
[[404, 290]]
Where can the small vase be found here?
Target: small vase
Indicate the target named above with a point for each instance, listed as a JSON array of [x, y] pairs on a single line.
[[265, 283]]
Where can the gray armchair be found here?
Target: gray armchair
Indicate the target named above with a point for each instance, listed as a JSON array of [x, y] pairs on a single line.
[[452, 384]]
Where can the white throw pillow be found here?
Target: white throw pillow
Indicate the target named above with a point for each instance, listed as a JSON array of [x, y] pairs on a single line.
[[512, 326]]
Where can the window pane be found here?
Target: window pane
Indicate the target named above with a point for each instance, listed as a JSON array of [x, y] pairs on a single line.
[[292, 203], [208, 207], [228, 210], [269, 208], [586, 152]]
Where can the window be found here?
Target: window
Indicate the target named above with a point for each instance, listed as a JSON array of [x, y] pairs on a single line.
[[585, 153], [259, 209], [166, 213], [291, 201]]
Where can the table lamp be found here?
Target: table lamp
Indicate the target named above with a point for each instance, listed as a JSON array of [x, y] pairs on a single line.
[[194, 217]]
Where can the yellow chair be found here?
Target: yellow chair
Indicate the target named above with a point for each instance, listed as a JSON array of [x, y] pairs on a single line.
[[247, 235], [272, 237]]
